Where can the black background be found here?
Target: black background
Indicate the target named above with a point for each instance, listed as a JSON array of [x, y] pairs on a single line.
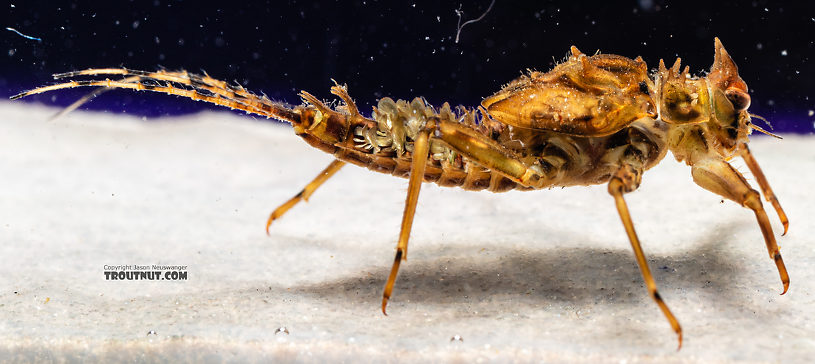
[[401, 49]]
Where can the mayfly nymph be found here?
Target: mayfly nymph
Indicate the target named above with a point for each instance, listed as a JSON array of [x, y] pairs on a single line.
[[597, 119]]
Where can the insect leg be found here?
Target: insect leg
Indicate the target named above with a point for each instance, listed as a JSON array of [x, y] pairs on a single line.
[[421, 148], [627, 179], [488, 153], [765, 186], [306, 192], [470, 144], [722, 179]]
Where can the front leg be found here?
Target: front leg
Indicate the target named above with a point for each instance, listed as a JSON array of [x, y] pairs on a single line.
[[765, 186], [722, 179]]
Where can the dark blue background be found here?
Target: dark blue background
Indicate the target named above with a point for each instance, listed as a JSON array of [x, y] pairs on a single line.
[[401, 49]]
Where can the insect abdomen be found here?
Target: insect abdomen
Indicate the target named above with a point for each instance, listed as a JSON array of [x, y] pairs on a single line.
[[385, 144], [444, 174]]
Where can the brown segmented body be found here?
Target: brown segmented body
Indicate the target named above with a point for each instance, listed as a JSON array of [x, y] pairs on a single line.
[[591, 120], [572, 160], [550, 142]]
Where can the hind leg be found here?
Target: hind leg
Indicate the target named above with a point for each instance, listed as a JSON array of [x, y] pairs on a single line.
[[304, 194]]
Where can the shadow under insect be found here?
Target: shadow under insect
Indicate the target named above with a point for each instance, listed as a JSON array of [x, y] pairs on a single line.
[[577, 276]]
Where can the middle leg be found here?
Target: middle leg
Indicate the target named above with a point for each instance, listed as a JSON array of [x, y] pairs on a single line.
[[627, 179], [421, 148], [470, 144]]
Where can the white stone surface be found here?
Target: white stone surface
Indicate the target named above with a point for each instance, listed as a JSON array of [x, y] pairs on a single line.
[[522, 276]]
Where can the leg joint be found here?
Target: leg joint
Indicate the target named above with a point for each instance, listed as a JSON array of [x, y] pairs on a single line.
[[752, 200]]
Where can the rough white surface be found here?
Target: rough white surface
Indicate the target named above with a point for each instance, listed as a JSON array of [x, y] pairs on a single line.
[[521, 276]]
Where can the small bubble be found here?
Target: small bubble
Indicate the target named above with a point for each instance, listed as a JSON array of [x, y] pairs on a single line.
[[457, 338], [759, 46], [135, 24], [281, 329], [784, 52]]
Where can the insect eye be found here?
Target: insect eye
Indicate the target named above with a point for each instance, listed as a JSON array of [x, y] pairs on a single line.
[[739, 99], [643, 87]]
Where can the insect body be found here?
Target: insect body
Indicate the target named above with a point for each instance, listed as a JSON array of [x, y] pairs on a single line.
[[591, 120]]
